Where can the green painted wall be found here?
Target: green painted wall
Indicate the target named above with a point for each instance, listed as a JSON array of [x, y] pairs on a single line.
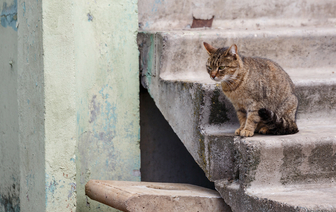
[[107, 85], [91, 98]]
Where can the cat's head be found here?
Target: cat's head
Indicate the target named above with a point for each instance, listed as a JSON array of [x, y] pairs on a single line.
[[223, 63]]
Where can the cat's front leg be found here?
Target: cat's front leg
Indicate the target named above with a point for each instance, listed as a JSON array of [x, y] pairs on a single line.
[[251, 123], [241, 114]]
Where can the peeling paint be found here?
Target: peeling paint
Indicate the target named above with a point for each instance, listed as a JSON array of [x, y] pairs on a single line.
[[90, 18], [8, 15], [51, 187], [156, 5], [72, 190], [24, 8]]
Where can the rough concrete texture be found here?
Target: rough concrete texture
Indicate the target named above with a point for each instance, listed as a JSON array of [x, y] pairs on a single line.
[[303, 52], [107, 94], [296, 171], [60, 106], [155, 197], [9, 122], [31, 104], [184, 89], [173, 70], [91, 75], [160, 14]]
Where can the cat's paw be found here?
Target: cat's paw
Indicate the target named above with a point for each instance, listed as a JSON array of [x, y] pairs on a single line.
[[246, 133], [237, 132], [263, 130]]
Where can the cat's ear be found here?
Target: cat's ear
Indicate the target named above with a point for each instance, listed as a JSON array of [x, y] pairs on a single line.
[[210, 49], [233, 51]]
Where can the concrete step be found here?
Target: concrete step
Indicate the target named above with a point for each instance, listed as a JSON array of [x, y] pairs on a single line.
[[155, 197], [305, 53], [194, 105], [173, 71], [292, 48], [174, 14], [294, 198], [284, 173]]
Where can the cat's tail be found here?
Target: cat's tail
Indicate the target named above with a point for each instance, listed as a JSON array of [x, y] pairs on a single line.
[[277, 125]]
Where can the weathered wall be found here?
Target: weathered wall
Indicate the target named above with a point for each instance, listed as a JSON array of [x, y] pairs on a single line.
[[91, 98], [31, 106], [69, 101], [107, 97], [9, 125], [60, 105]]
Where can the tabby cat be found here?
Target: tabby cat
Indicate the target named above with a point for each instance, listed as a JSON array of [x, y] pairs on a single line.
[[260, 90]]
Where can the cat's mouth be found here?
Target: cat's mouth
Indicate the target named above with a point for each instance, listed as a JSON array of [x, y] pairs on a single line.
[[216, 79]]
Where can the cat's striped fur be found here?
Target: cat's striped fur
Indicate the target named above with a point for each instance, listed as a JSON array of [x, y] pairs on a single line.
[[260, 90]]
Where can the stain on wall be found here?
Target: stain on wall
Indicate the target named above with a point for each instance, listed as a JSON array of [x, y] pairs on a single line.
[[10, 202], [9, 125], [107, 85], [8, 15]]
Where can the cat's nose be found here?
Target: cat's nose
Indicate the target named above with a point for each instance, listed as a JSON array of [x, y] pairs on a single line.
[[213, 76]]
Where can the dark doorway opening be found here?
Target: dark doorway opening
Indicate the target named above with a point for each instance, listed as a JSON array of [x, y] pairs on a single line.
[[163, 156]]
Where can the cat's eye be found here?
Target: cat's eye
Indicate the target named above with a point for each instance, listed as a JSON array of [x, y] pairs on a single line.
[[221, 67]]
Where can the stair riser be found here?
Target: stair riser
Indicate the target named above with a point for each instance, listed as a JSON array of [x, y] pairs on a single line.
[[284, 160], [290, 49], [317, 105], [220, 157]]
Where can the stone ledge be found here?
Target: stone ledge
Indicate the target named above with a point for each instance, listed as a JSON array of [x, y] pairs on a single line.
[[155, 197]]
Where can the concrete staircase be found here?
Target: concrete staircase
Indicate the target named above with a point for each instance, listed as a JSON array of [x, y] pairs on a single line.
[[263, 173]]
